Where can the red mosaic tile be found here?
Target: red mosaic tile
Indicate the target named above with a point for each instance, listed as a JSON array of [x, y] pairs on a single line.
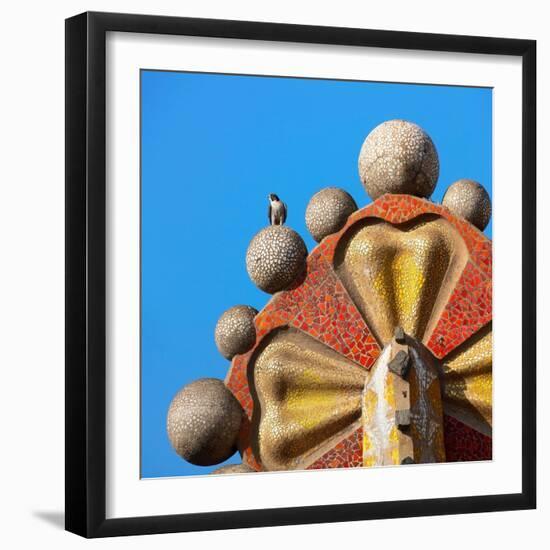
[[237, 381], [469, 308], [248, 458], [463, 443], [320, 306], [347, 453], [402, 208]]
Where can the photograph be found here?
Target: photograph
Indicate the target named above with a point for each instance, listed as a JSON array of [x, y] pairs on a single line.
[[316, 273]]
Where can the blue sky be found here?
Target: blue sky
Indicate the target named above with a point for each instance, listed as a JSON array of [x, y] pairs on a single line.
[[213, 148]]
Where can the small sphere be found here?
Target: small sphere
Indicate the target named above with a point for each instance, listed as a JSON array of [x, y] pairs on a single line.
[[327, 212], [398, 157], [275, 258], [469, 200], [203, 422], [235, 331], [234, 469]]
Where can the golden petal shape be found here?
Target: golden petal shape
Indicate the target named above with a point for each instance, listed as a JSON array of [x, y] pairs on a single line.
[[468, 387], [307, 396], [401, 275]]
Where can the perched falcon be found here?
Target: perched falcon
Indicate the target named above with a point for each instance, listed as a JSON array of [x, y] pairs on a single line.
[[276, 211]]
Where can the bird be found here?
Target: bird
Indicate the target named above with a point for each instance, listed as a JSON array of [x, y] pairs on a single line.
[[276, 212]]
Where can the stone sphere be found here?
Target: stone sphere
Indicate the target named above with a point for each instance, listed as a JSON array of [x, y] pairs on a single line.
[[398, 157], [234, 469], [469, 200], [203, 422], [275, 258], [327, 212], [235, 331]]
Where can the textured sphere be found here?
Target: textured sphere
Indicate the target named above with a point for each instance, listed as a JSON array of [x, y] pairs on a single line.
[[327, 212], [469, 200], [235, 331], [398, 157], [234, 469], [275, 258], [203, 422]]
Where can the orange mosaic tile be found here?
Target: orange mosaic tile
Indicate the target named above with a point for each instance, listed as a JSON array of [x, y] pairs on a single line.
[[463, 443], [468, 309], [237, 381], [322, 308], [347, 453]]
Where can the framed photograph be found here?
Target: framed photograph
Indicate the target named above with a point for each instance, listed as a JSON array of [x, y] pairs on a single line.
[[300, 274]]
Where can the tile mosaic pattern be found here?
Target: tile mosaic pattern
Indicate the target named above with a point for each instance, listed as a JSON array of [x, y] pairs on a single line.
[[401, 208], [308, 395], [320, 306], [237, 381], [468, 390], [463, 443], [398, 275], [469, 308], [348, 453]]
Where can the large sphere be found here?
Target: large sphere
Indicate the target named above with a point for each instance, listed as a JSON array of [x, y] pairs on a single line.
[[203, 423], [469, 200], [234, 469], [235, 331], [275, 258], [398, 157], [327, 212]]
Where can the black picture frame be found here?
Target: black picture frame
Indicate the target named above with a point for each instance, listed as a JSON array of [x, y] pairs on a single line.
[[86, 269]]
